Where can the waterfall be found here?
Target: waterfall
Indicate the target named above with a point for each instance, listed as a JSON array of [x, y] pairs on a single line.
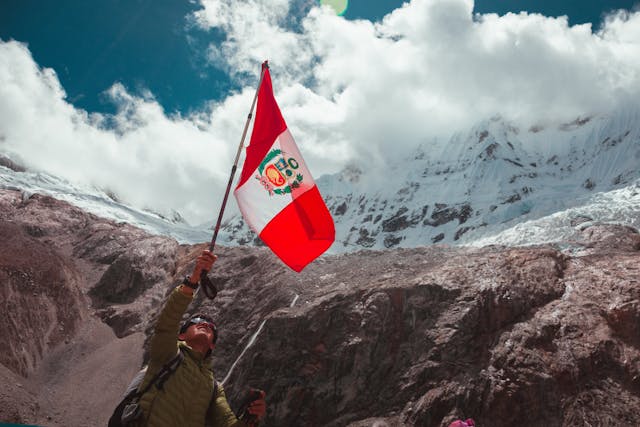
[[250, 343]]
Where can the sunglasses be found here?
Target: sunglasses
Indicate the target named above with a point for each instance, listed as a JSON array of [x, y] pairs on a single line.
[[198, 320], [211, 325]]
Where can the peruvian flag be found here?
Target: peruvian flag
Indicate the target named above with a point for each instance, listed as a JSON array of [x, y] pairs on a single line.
[[276, 193]]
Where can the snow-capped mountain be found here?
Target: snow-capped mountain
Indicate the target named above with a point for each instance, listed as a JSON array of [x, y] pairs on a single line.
[[98, 202], [495, 183]]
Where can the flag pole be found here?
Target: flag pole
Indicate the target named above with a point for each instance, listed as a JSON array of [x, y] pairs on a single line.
[[265, 65]]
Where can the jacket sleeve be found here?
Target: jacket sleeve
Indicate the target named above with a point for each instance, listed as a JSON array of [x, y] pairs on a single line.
[[164, 342], [222, 415]]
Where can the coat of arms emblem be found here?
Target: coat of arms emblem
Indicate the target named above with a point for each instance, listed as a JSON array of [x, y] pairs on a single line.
[[278, 173]]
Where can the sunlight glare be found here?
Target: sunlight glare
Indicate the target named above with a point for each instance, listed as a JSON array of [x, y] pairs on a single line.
[[340, 6]]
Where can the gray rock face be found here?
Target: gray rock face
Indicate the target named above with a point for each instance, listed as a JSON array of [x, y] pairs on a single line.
[[40, 299], [136, 270], [403, 337], [52, 256]]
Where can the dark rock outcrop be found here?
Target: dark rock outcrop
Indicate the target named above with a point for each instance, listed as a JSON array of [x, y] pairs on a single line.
[[8, 163], [396, 222], [151, 261], [443, 214], [509, 336]]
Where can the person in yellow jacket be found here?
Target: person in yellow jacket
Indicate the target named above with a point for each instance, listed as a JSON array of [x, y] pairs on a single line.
[[186, 398]]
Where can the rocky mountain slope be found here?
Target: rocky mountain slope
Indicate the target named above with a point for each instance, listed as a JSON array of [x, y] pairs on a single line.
[[533, 336]]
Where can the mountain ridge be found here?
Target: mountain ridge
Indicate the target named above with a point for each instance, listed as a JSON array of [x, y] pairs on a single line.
[[479, 183], [491, 183]]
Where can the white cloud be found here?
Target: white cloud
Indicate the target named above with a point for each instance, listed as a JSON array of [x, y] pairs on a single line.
[[430, 68], [146, 158], [348, 90]]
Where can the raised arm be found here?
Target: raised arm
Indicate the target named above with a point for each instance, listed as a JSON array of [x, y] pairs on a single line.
[[164, 342]]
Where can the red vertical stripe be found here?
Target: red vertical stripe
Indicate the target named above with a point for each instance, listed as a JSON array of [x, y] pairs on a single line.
[[300, 232], [266, 128]]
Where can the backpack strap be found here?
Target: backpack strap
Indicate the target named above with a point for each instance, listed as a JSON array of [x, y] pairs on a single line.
[[163, 375], [128, 409]]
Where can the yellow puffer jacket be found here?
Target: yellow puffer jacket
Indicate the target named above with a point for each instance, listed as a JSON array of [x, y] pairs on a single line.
[[184, 398]]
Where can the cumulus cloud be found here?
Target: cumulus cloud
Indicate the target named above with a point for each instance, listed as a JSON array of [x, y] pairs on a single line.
[[429, 68], [146, 158], [349, 91]]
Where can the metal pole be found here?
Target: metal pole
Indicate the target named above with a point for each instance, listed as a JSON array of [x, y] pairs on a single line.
[[265, 66]]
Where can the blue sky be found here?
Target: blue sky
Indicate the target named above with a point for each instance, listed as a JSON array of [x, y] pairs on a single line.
[[149, 44], [146, 99]]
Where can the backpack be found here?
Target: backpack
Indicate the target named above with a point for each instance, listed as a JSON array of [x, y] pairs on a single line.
[[128, 410]]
